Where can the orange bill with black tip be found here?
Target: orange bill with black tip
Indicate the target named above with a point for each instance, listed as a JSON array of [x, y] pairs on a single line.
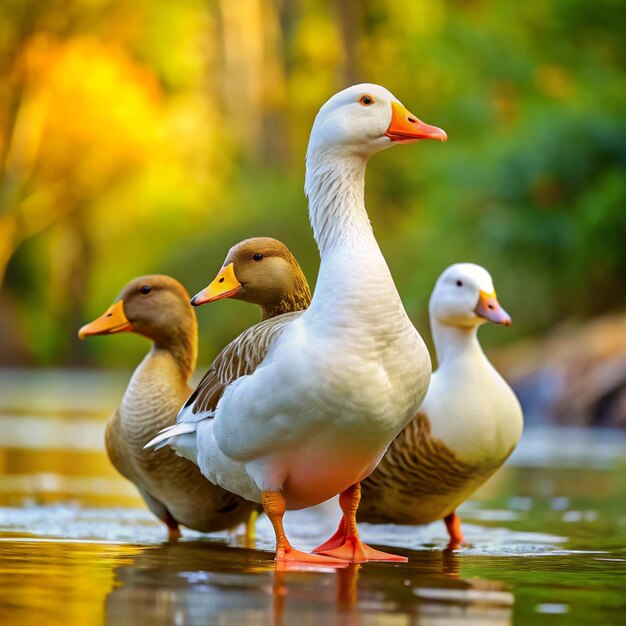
[[406, 128], [225, 285], [114, 320], [489, 308]]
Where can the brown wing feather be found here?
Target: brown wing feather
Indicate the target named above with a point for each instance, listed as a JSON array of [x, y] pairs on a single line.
[[239, 358], [418, 479]]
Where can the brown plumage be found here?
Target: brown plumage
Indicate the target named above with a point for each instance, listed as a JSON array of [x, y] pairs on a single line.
[[239, 358], [158, 308], [418, 480]]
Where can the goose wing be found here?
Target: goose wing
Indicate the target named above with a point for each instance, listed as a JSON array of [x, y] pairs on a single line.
[[241, 357]]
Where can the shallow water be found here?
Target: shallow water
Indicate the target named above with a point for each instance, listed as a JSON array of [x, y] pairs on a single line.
[[547, 537]]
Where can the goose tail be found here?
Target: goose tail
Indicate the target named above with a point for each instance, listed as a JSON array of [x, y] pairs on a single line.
[[163, 437]]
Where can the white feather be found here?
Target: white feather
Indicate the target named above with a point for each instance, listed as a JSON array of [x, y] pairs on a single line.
[[185, 445], [167, 433]]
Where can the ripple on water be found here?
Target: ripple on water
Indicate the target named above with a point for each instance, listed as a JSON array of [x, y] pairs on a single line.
[[307, 528], [561, 531]]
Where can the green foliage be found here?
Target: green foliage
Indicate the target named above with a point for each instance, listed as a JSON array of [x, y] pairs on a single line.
[[142, 137]]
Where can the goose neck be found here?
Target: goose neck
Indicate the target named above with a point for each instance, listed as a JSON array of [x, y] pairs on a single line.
[[181, 347], [155, 390], [455, 342], [335, 187]]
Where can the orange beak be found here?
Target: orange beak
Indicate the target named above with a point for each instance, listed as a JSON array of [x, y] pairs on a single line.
[[225, 285], [114, 320], [406, 128], [489, 308]]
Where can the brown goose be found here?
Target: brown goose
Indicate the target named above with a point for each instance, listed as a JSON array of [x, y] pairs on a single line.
[[158, 308]]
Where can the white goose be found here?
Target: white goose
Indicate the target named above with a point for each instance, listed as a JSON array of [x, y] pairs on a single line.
[[469, 424], [322, 394]]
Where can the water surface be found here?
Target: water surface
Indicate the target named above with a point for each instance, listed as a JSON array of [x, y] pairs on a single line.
[[547, 537]]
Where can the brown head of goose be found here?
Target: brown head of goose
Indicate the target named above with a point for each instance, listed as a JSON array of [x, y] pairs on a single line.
[[260, 270]]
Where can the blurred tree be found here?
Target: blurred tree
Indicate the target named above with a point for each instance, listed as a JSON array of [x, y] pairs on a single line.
[[149, 136]]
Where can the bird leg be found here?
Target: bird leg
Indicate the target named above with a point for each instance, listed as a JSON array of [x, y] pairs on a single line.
[[453, 524], [336, 540], [274, 507], [250, 535], [173, 530], [353, 549]]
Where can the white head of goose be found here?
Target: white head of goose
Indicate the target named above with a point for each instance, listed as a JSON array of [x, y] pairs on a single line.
[[301, 407], [262, 271], [157, 307], [466, 428], [464, 297], [351, 127]]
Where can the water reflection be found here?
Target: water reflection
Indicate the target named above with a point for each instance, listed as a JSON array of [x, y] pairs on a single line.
[[76, 549], [200, 582]]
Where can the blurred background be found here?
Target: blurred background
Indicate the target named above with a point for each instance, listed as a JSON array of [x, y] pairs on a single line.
[[150, 136]]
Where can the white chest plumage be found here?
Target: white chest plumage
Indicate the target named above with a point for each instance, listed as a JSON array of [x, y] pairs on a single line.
[[473, 411], [319, 412], [339, 383], [469, 423]]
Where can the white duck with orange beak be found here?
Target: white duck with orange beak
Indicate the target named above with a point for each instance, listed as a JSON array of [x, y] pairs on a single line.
[[468, 425]]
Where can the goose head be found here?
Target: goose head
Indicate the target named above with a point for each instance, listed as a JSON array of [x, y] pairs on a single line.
[[364, 119], [155, 306], [262, 271], [464, 296]]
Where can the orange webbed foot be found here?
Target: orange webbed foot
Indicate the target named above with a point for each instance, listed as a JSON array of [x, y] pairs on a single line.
[[173, 529], [336, 541], [287, 557], [355, 551]]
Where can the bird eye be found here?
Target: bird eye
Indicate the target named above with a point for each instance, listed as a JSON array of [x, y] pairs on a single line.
[[257, 257], [459, 283], [145, 290], [366, 100]]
